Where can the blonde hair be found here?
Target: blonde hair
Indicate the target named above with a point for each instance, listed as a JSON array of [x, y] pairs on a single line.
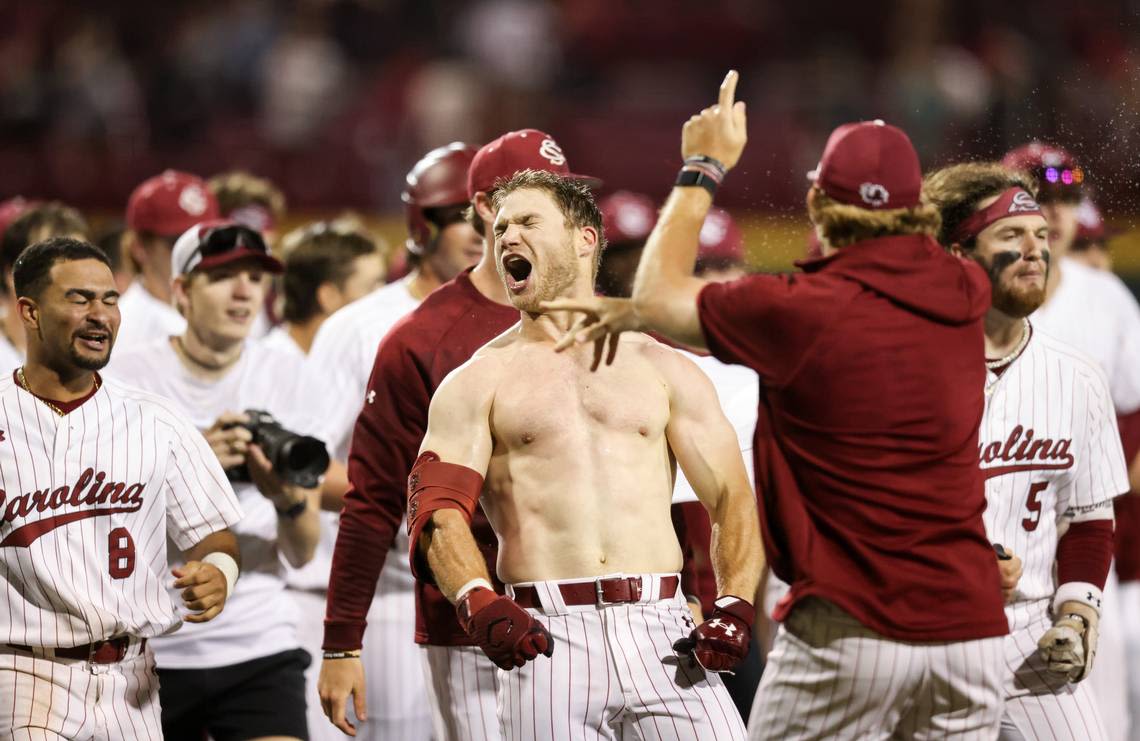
[[238, 188], [842, 225], [958, 189]]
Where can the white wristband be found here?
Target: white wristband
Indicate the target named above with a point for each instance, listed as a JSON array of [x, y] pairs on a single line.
[[227, 565], [473, 584], [1077, 591]]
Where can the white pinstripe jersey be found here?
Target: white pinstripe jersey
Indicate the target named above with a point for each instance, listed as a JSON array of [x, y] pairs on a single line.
[[341, 359], [87, 501], [10, 357], [1049, 448]]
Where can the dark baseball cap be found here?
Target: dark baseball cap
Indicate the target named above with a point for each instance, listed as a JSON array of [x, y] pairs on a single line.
[[526, 149], [170, 203], [870, 164], [218, 242]]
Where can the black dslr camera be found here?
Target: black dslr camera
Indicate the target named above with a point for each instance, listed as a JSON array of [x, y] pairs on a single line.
[[298, 459]]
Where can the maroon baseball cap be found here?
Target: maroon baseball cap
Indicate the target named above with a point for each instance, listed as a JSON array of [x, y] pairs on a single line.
[[627, 216], [514, 151], [870, 164], [170, 203], [1058, 173], [720, 240], [11, 209]]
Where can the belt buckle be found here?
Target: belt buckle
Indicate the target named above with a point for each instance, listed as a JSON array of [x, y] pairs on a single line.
[[600, 595]]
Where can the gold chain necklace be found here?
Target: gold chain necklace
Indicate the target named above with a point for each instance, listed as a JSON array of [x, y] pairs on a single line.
[[24, 384]]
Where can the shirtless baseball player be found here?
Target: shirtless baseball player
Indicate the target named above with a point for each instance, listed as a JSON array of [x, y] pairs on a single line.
[[1050, 452], [94, 476], [574, 470]]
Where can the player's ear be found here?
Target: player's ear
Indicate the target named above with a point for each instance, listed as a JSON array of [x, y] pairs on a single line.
[[587, 241], [956, 250], [329, 297], [179, 290], [29, 312]]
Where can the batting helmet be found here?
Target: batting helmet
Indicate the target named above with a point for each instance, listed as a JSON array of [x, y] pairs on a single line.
[[627, 217], [438, 180]]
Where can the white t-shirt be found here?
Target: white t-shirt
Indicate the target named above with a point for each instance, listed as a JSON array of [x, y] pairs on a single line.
[[259, 619], [1094, 311], [341, 361], [738, 389], [10, 357], [88, 502], [145, 319], [1049, 449]]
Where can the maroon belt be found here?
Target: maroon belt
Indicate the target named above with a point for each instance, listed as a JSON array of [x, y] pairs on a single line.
[[617, 590], [109, 651]]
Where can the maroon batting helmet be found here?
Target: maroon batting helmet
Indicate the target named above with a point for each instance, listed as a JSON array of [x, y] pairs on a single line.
[[1059, 175], [438, 180]]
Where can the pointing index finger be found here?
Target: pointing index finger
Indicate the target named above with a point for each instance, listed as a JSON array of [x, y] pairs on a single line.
[[728, 90]]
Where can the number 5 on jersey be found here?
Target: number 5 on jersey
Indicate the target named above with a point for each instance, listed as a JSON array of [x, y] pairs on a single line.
[[1033, 504]]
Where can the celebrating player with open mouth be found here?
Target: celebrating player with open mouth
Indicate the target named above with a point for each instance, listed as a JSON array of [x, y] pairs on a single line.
[[1050, 453], [94, 475], [574, 470]]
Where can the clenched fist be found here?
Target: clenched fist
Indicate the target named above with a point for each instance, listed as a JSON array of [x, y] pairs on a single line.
[[721, 642], [506, 632], [718, 131], [203, 588], [1069, 647]]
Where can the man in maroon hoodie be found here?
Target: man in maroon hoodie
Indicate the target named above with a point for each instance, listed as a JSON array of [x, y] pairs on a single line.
[[866, 439]]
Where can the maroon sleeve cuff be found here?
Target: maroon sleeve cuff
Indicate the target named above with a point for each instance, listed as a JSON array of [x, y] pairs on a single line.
[[1084, 553], [343, 636]]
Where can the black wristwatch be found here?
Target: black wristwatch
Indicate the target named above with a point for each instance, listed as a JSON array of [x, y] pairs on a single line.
[[295, 511]]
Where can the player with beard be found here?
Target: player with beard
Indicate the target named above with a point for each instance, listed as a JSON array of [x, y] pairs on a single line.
[[574, 469], [1050, 454]]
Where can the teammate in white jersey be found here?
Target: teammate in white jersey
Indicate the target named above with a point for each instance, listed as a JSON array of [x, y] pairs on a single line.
[[94, 477], [440, 245], [327, 267], [241, 676], [1094, 311], [1050, 452]]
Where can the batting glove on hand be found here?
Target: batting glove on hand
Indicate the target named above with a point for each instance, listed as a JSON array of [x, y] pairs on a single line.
[[506, 632], [1069, 647], [721, 642]]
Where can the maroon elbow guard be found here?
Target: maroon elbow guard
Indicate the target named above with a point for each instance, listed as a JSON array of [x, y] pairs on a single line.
[[434, 485]]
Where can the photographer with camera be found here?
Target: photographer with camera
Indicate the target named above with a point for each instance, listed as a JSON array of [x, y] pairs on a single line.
[[242, 675]]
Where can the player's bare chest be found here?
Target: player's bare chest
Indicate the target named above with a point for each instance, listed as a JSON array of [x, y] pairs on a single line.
[[556, 400]]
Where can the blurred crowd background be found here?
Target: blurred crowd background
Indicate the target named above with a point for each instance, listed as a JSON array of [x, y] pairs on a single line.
[[334, 99]]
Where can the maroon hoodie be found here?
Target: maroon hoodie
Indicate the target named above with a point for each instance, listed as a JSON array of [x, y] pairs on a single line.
[[866, 442]]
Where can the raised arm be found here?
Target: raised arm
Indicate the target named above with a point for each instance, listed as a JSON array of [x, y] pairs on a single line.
[[665, 289], [707, 450]]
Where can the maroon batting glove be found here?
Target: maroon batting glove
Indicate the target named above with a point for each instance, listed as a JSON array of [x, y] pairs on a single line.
[[721, 642], [506, 632]]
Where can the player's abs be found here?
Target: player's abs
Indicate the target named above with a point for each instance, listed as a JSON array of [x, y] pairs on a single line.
[[600, 508]]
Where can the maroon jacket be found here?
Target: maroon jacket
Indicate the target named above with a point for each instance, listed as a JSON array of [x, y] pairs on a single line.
[[866, 443], [413, 359]]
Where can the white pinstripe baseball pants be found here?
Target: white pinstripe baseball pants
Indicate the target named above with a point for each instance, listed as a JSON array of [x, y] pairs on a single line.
[[614, 676], [829, 677], [462, 684], [44, 699]]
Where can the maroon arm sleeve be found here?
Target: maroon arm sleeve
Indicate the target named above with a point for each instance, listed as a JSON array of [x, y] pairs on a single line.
[[1084, 552], [1128, 507], [385, 441]]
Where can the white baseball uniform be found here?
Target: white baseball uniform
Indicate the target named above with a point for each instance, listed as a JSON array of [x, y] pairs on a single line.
[[614, 675], [341, 360], [87, 502], [145, 319], [1093, 311], [1050, 452], [259, 619]]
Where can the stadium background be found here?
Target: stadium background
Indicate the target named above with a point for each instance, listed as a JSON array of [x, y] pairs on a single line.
[[335, 99]]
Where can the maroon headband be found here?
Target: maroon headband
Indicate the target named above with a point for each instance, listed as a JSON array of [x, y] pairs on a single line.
[[1013, 202]]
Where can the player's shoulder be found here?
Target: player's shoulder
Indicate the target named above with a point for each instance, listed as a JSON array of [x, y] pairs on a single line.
[[1103, 285], [1053, 350], [361, 316], [146, 404]]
